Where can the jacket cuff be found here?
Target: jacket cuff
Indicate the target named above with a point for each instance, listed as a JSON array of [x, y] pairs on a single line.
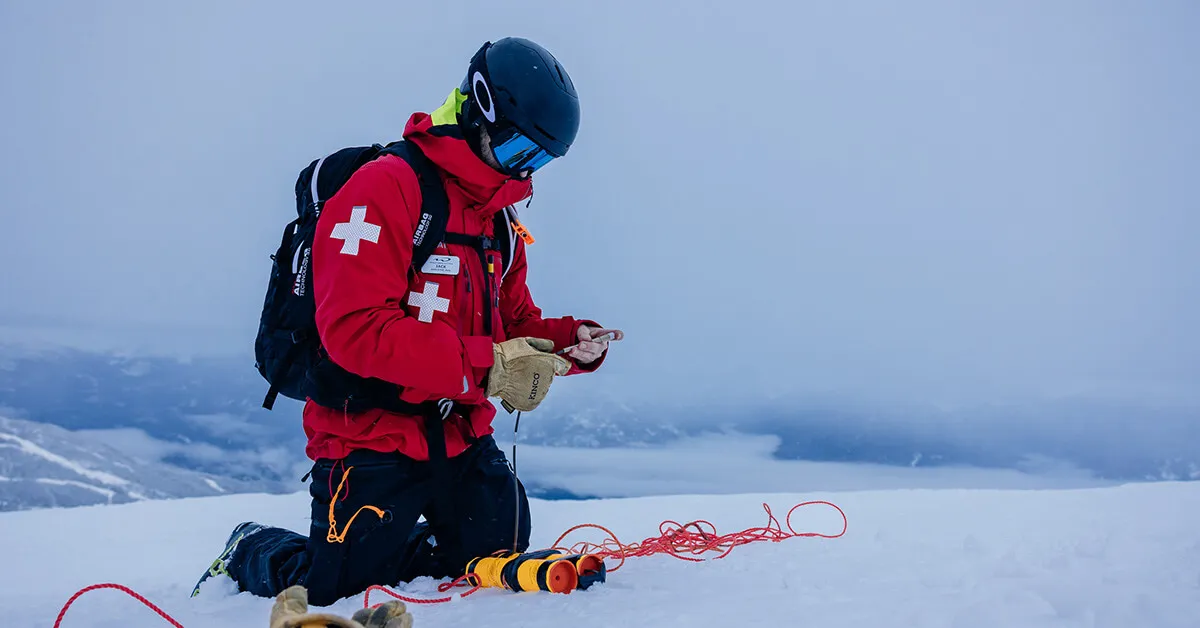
[[479, 351], [478, 357], [565, 332]]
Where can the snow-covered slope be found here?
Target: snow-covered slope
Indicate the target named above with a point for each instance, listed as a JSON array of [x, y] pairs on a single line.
[[1105, 557], [45, 466]]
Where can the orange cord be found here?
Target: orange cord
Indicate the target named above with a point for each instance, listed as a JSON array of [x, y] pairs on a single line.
[[332, 536]]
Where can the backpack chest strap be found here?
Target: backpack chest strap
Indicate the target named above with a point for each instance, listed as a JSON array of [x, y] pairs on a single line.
[[475, 242]]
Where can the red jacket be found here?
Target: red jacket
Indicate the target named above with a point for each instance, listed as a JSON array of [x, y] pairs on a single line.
[[379, 318]]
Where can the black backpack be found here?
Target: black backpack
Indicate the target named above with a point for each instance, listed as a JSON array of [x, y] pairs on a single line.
[[287, 350]]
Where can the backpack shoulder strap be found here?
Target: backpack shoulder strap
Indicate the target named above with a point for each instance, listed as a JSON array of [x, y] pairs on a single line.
[[435, 205], [325, 176], [507, 237]]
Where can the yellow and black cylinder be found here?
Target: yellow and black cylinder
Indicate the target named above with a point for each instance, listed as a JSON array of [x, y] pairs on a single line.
[[544, 570], [589, 569]]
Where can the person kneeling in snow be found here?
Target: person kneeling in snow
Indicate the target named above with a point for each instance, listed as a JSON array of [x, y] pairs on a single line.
[[459, 330]]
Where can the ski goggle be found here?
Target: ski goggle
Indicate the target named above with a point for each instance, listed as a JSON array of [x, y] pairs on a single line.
[[516, 153]]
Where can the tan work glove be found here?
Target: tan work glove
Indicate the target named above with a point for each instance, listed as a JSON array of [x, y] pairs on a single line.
[[291, 611], [391, 614], [523, 371]]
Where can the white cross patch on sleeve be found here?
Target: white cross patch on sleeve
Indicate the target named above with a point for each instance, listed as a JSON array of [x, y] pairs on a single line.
[[428, 302], [353, 232]]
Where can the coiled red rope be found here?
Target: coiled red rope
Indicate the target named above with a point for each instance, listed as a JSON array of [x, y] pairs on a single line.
[[691, 540], [688, 542]]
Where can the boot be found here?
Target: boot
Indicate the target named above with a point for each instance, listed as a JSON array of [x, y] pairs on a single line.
[[218, 566]]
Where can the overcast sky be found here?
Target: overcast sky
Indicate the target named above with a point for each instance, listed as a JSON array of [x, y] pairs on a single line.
[[923, 201]]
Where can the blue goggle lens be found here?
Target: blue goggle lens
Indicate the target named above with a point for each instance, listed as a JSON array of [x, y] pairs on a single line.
[[515, 152]]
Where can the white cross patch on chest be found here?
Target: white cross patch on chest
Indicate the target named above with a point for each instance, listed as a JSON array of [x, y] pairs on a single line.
[[353, 232], [428, 302]]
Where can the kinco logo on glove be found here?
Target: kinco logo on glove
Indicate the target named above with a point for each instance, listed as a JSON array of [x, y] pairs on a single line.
[[533, 391]]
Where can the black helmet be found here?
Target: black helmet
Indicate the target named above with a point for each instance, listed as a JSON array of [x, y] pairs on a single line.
[[524, 98]]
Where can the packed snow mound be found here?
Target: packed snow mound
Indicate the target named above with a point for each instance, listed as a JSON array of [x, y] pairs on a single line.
[[1118, 556]]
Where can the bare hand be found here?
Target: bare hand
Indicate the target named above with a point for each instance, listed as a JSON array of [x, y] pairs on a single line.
[[593, 342]]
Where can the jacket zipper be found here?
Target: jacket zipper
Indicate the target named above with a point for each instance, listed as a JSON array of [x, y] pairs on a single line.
[[487, 291], [470, 297]]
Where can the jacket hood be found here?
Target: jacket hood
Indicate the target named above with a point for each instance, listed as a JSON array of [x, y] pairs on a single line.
[[438, 135]]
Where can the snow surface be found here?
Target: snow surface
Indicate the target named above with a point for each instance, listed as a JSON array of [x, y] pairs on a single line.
[[1102, 557]]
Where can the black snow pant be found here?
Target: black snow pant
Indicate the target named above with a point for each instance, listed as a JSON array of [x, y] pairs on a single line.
[[472, 512]]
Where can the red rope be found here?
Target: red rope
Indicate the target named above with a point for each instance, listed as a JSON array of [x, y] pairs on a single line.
[[688, 541], [683, 541], [109, 585], [442, 588]]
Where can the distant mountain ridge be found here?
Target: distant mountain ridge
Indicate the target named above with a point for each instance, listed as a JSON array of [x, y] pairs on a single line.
[[46, 466], [202, 415]]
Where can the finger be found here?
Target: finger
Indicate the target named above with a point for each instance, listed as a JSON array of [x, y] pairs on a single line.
[[584, 355], [597, 333], [595, 348]]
